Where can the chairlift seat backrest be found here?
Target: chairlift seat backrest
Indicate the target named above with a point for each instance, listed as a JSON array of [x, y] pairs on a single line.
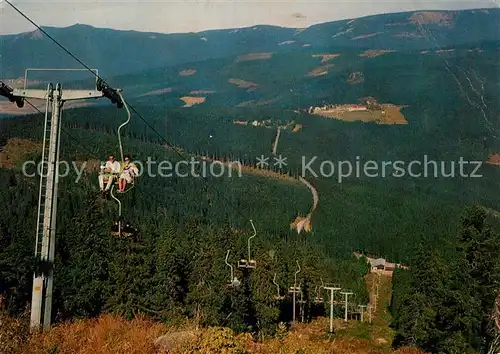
[[294, 289]]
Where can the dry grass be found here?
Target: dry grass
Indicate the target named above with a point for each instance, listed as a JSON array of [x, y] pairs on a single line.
[[393, 115], [369, 35], [433, 17], [202, 92], [375, 53], [245, 103], [380, 331], [157, 92], [266, 102], [111, 334], [191, 101], [286, 42], [105, 335], [297, 128], [322, 70], [387, 114], [13, 332], [326, 57], [187, 72], [254, 56], [408, 35], [445, 51], [242, 83], [494, 159]]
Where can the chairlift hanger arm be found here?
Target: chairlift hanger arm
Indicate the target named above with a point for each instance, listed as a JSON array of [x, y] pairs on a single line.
[[251, 237], [229, 265], [121, 104], [297, 272], [8, 92], [112, 94]]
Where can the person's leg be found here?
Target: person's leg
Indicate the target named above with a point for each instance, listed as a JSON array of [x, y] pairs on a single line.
[[122, 184], [110, 182], [101, 182]]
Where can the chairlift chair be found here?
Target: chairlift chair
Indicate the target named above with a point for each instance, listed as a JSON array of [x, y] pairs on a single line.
[[301, 300], [107, 176], [278, 296], [318, 299], [295, 289], [123, 229], [250, 263], [233, 281]]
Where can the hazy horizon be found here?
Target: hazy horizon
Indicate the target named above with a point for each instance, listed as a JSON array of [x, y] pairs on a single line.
[[205, 15]]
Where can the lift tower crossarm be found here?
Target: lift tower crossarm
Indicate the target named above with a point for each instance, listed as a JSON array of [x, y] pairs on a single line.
[[68, 95]]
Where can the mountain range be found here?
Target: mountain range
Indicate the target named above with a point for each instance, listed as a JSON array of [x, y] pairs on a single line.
[[116, 52]]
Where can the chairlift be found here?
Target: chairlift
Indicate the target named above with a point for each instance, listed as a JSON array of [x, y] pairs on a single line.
[[318, 299], [123, 229], [295, 289], [119, 228], [278, 296], [301, 300], [233, 281], [249, 263]]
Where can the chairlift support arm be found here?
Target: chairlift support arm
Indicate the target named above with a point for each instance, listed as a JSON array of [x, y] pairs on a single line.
[[295, 276], [229, 265], [251, 237]]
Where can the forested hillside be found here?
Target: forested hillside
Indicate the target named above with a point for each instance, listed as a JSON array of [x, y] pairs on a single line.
[[447, 302]]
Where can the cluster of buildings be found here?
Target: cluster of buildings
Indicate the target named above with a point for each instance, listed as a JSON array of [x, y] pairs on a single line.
[[265, 123], [337, 107], [255, 123], [381, 265]]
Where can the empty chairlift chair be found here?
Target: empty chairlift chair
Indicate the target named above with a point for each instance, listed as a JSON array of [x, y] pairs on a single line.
[[249, 263], [318, 299], [278, 296], [233, 281]]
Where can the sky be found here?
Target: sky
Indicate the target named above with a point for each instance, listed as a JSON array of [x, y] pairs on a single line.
[[174, 16]]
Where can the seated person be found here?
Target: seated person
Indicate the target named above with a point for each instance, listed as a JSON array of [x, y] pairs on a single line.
[[128, 174], [111, 171]]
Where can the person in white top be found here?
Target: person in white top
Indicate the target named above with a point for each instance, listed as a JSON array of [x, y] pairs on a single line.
[[128, 175], [109, 173]]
